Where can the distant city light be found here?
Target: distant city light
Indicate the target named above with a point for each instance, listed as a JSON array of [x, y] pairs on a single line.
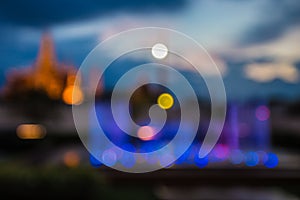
[[165, 101], [272, 160], [221, 151], [127, 160], [262, 113], [72, 95], [109, 157], [251, 159], [71, 159], [262, 156], [236, 157], [146, 133], [159, 51], [31, 131]]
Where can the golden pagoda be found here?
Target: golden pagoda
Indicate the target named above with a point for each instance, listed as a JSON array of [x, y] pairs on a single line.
[[47, 76]]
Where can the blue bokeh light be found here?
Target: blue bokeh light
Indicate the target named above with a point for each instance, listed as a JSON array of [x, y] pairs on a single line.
[[251, 159], [94, 161], [272, 160], [109, 157], [127, 160], [236, 157], [201, 162]]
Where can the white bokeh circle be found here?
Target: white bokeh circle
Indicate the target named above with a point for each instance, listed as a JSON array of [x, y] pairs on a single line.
[[159, 51]]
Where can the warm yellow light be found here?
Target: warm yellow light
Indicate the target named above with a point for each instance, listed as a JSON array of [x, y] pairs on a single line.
[[71, 159], [31, 131], [72, 95], [165, 101]]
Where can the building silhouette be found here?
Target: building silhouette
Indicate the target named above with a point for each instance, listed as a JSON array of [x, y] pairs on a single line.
[[45, 77]]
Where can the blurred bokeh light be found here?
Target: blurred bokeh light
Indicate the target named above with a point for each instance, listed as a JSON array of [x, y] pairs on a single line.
[[255, 45]]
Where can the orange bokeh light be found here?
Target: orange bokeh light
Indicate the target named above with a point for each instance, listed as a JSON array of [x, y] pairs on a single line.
[[71, 159], [146, 133], [72, 95], [31, 131]]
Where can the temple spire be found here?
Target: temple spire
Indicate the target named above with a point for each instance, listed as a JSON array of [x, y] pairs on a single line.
[[46, 58]]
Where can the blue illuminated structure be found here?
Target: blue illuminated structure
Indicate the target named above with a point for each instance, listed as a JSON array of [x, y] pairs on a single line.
[[245, 139]]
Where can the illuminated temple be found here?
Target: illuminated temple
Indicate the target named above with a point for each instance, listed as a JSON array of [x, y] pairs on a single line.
[[46, 76]]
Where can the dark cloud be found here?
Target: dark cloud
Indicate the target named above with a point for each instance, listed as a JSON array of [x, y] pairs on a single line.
[[297, 64], [277, 18], [44, 13]]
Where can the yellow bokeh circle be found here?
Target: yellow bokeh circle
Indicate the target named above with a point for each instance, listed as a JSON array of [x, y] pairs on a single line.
[[165, 101]]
